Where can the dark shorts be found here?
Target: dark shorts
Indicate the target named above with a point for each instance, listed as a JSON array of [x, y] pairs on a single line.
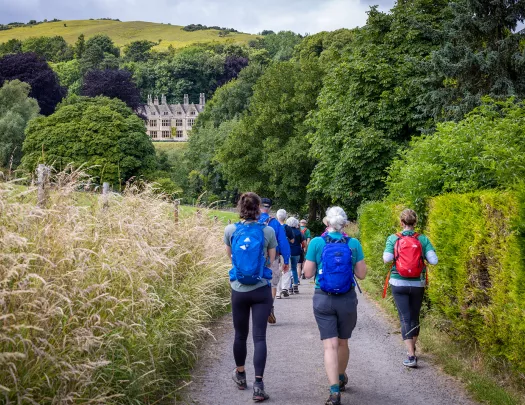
[[336, 315], [301, 257]]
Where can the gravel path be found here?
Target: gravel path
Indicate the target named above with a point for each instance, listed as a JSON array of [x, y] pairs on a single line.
[[295, 372]]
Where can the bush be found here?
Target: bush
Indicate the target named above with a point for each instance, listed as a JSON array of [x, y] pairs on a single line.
[[463, 157], [103, 305], [377, 220], [479, 282]]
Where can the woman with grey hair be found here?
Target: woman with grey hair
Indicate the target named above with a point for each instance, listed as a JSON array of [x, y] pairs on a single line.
[[335, 259], [284, 283], [295, 252]]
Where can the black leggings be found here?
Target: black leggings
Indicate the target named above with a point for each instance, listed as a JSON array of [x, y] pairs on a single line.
[[260, 301], [408, 302]]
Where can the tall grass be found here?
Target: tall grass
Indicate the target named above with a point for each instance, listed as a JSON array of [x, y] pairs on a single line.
[[102, 305]]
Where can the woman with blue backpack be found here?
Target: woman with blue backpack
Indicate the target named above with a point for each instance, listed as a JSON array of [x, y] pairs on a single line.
[[407, 278], [250, 245], [335, 260]]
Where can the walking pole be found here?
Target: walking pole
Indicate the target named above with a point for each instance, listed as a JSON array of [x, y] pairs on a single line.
[[357, 284]]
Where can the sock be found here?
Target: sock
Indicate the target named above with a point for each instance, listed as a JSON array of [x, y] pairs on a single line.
[[258, 379], [241, 374], [334, 389], [341, 377]]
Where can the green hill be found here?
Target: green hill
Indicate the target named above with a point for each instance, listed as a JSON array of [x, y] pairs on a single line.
[[123, 33]]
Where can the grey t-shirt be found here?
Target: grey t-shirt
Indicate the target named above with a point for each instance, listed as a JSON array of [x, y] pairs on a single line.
[[270, 242]]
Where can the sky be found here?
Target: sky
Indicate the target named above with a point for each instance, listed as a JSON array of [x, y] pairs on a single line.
[[301, 16]]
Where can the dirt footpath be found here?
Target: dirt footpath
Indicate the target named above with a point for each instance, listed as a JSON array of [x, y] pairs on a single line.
[[295, 372]]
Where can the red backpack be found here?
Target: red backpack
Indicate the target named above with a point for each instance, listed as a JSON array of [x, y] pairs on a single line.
[[408, 258]]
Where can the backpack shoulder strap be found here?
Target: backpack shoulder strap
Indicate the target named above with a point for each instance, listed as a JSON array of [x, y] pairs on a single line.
[[416, 235]]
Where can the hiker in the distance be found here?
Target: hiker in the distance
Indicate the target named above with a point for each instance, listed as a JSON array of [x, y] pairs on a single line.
[[283, 249], [408, 277], [250, 245], [335, 259], [295, 251], [306, 241], [283, 289]]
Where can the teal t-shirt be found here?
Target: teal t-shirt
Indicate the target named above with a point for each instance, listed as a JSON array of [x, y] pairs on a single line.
[[315, 251], [425, 244]]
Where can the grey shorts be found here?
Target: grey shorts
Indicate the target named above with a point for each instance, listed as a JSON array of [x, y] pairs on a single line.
[[336, 315], [276, 272]]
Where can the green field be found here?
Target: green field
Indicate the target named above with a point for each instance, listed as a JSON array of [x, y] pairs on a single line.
[[123, 33], [169, 146]]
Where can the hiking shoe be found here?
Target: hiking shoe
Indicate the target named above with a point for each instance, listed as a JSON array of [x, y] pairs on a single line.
[[303, 277], [284, 293], [410, 361], [333, 399], [239, 379], [259, 394], [290, 291], [296, 289], [271, 318], [342, 384]]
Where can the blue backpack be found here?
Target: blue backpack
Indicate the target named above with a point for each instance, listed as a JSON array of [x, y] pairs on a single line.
[[336, 275], [248, 260]]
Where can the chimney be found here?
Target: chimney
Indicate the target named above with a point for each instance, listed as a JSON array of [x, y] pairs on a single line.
[[150, 101], [156, 101], [163, 98], [186, 99], [202, 100]]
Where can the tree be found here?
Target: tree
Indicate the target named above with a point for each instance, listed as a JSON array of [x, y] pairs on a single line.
[[138, 51], [232, 66], [481, 55], [103, 42], [112, 84], [16, 110], [99, 132], [484, 150], [80, 46], [29, 68], [52, 49], [69, 75], [280, 46], [11, 46], [368, 104]]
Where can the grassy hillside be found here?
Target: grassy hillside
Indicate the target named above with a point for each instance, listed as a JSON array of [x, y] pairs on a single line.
[[122, 32]]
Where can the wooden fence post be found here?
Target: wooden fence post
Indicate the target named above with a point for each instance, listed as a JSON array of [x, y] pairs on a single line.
[[42, 179], [176, 204], [105, 195]]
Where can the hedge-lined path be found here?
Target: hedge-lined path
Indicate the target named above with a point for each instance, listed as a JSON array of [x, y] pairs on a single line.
[[295, 372]]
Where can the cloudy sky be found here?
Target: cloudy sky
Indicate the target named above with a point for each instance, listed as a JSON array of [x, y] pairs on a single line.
[[302, 16]]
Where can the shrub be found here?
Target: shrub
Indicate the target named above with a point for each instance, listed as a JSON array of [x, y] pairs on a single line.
[[103, 305], [377, 220], [478, 283]]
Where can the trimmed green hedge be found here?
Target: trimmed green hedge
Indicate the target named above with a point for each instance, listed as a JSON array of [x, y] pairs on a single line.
[[479, 282]]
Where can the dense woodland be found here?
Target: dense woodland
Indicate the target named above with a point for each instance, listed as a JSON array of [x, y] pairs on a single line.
[[337, 117]]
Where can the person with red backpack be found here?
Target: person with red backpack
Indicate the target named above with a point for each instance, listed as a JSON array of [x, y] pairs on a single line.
[[251, 247], [407, 278], [335, 259]]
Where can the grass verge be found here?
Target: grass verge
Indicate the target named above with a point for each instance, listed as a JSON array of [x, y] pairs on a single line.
[[487, 380], [103, 305]]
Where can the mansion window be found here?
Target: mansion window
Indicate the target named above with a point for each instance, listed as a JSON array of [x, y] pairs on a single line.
[[152, 113], [179, 113], [152, 123], [192, 113], [165, 123], [166, 134], [153, 134], [191, 122], [179, 134], [178, 123], [166, 113]]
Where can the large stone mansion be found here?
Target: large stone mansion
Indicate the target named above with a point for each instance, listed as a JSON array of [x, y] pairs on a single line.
[[171, 122]]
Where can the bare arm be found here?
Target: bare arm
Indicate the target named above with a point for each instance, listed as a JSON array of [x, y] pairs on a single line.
[[360, 270], [309, 268], [229, 252], [271, 255]]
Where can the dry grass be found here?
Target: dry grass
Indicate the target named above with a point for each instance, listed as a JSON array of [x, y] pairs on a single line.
[[102, 305], [123, 33]]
